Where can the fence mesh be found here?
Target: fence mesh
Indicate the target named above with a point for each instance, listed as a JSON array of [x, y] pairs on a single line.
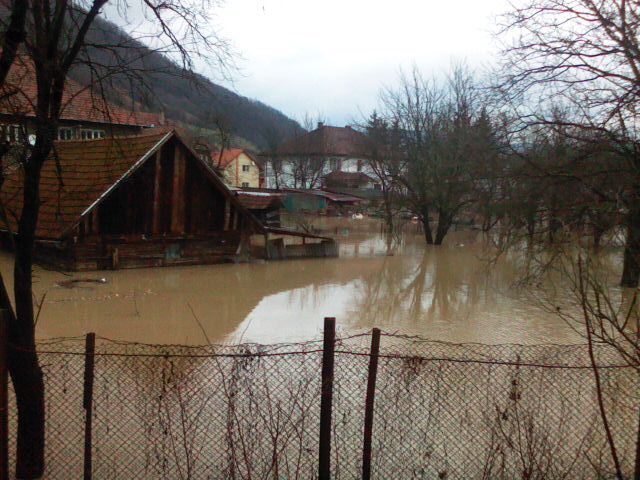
[[252, 411]]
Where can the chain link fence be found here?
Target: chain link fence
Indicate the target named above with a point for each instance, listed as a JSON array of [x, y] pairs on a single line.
[[250, 411]]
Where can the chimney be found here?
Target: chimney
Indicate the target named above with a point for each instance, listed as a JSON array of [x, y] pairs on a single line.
[[320, 124], [348, 127]]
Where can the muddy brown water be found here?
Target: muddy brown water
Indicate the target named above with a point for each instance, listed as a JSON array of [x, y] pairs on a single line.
[[447, 293]]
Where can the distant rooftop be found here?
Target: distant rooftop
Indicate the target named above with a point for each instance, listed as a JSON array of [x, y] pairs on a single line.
[[328, 141], [229, 155]]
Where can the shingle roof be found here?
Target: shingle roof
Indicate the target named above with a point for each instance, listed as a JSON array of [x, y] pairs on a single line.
[[78, 103], [228, 156], [329, 142], [223, 160], [87, 169]]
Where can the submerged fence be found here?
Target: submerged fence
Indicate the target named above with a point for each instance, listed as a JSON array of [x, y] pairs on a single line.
[[383, 405]]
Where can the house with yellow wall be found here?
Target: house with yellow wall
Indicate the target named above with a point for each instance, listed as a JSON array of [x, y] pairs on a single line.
[[238, 168]]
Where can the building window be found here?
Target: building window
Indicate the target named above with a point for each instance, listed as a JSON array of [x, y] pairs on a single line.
[[65, 134], [245, 184], [245, 168], [87, 134], [13, 133]]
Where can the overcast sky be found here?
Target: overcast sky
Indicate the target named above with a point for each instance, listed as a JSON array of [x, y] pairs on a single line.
[[333, 56]]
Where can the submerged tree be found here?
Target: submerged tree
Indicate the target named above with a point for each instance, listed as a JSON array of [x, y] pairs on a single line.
[[446, 138], [585, 54], [55, 41]]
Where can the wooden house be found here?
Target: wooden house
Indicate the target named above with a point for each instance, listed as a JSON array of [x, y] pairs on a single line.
[[144, 200]]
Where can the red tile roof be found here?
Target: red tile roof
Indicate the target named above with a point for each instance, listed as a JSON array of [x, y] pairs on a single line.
[[328, 141], [228, 156], [78, 103], [88, 169], [223, 160]]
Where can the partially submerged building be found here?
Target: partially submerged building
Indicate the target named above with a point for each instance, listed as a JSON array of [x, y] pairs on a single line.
[[137, 201], [264, 204], [358, 184], [319, 201]]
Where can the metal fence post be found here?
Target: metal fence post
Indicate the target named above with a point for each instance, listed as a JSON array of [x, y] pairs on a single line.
[[87, 401], [369, 402], [4, 398], [326, 399]]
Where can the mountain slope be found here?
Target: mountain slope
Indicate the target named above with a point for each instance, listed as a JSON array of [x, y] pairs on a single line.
[[194, 101]]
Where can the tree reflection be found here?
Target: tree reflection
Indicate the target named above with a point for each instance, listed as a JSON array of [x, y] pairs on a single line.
[[445, 284]]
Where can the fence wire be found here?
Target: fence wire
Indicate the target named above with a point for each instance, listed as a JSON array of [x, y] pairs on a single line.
[[448, 411]]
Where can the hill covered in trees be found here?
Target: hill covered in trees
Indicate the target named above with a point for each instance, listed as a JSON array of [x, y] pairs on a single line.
[[157, 84]]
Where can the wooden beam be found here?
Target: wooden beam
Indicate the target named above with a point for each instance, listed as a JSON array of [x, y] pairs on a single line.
[[178, 201], [227, 213], [95, 220], [155, 222]]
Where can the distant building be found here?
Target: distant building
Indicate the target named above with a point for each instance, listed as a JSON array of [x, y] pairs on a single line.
[[237, 167], [85, 115], [350, 180], [303, 161]]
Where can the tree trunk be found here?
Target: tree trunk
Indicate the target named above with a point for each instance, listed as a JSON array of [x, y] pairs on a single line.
[[486, 224], [531, 225], [597, 232], [444, 223], [428, 236], [554, 225], [388, 210], [25, 370], [28, 386], [631, 268]]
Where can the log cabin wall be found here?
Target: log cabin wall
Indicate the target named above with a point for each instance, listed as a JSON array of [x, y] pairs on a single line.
[[205, 206], [168, 212], [129, 208], [167, 195]]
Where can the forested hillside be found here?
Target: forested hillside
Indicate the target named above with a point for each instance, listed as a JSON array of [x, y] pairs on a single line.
[[157, 84]]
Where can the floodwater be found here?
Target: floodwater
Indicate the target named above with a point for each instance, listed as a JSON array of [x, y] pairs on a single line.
[[447, 293]]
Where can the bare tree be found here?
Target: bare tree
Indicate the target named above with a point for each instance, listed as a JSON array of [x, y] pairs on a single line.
[[586, 54], [442, 133], [55, 42], [386, 163], [272, 162]]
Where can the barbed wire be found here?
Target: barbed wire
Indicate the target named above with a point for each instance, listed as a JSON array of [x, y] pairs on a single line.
[[404, 347]]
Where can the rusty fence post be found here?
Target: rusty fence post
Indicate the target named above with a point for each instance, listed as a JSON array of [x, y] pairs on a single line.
[[369, 403], [87, 401], [326, 399], [4, 398]]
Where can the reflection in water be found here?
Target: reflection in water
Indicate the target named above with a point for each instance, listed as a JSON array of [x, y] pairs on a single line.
[[397, 284]]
